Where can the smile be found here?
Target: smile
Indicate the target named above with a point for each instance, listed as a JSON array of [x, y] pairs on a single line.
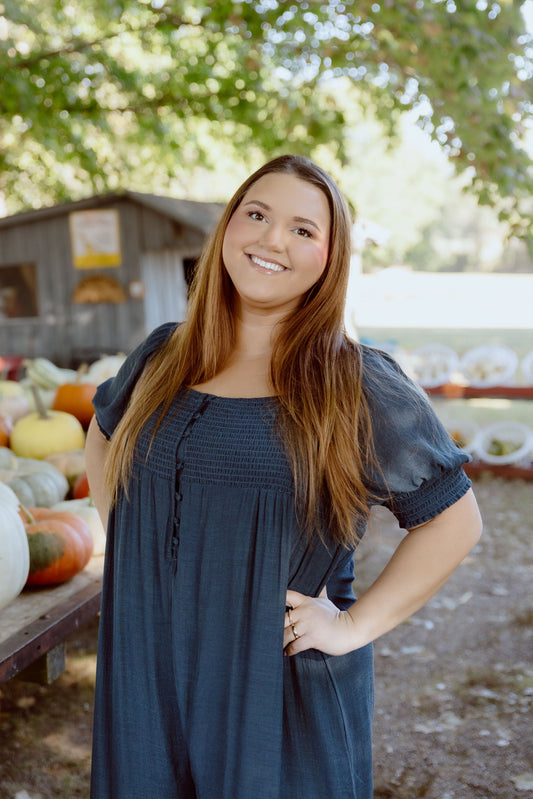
[[270, 265]]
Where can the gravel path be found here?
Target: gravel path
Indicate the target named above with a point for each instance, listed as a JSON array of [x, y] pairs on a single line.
[[454, 684]]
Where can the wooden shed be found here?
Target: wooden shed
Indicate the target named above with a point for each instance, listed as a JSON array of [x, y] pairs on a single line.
[[93, 277]]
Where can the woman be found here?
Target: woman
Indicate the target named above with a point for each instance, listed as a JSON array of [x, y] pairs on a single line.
[[237, 455]]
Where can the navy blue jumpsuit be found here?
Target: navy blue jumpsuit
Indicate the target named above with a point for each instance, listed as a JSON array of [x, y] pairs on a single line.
[[194, 699]]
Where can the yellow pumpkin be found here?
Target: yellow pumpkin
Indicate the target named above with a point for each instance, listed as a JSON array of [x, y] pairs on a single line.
[[10, 388], [37, 435]]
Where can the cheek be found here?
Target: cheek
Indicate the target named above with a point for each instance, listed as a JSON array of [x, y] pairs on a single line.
[[235, 230], [324, 254], [318, 258], [233, 239]]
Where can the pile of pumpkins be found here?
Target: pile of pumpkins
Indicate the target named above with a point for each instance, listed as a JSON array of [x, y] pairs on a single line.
[[49, 526]]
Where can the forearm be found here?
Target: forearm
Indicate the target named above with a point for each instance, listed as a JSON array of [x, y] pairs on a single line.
[[421, 564], [95, 452]]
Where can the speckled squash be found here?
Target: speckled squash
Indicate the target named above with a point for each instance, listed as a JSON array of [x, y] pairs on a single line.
[[60, 545], [35, 482], [87, 510]]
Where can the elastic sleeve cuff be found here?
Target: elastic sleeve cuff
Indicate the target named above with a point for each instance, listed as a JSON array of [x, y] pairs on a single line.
[[417, 507]]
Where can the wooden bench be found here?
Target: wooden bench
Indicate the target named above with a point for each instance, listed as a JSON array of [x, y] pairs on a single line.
[[34, 627]]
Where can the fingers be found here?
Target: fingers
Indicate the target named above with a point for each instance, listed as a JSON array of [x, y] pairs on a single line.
[[293, 599], [292, 638], [314, 623], [295, 626], [292, 628], [292, 602]]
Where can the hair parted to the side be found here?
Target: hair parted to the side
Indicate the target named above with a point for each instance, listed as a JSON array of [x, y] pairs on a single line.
[[315, 371]]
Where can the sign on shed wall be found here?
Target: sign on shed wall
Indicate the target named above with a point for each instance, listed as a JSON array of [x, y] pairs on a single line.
[[95, 238]]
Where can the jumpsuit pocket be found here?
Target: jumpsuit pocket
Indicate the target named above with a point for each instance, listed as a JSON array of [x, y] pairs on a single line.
[[327, 725]]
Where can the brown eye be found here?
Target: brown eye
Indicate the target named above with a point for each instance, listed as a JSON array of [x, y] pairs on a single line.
[[256, 215]]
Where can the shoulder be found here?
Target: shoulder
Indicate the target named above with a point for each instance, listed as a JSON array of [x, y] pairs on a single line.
[[142, 353], [112, 396], [418, 467], [157, 338], [376, 361], [382, 375], [139, 357]]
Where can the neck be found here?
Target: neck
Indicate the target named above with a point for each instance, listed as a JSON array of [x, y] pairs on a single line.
[[255, 334]]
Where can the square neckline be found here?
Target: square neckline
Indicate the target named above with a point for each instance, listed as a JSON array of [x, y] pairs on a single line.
[[264, 398]]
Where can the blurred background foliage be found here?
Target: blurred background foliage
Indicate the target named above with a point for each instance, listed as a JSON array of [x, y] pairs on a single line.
[[98, 95]]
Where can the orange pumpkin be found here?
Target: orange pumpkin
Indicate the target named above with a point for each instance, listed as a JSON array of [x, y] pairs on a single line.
[[6, 426], [81, 487], [76, 398], [60, 545]]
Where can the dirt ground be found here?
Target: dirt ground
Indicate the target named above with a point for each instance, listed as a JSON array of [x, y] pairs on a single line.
[[454, 685]]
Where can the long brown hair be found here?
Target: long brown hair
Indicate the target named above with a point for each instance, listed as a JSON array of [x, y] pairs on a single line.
[[315, 371]]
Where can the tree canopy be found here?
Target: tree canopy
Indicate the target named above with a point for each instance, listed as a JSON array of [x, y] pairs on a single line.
[[103, 94]]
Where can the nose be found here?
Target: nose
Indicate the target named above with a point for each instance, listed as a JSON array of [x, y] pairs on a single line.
[[272, 237]]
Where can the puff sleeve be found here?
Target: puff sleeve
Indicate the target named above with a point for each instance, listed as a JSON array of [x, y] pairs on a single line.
[[419, 469], [112, 396]]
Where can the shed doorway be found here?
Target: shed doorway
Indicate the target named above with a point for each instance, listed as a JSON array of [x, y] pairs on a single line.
[[165, 298]]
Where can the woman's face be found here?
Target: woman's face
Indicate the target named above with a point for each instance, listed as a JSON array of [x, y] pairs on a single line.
[[276, 243]]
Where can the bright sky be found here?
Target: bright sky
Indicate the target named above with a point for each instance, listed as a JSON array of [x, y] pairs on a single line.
[[527, 11], [397, 297]]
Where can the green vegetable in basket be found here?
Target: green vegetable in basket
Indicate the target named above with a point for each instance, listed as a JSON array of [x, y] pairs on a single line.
[[500, 447]]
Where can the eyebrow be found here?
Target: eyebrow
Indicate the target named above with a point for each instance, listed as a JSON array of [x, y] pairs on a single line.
[[302, 219]]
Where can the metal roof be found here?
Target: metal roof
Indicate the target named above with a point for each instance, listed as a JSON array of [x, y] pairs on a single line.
[[200, 215]]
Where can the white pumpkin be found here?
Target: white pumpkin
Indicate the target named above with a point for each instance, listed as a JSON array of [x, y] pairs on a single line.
[[8, 459], [14, 549], [13, 400], [71, 463], [86, 509], [47, 395], [105, 367]]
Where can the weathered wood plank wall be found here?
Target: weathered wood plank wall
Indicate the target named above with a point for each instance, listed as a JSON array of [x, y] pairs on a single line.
[[153, 249]]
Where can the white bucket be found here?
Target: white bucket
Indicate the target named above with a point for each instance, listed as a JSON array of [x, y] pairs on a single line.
[[433, 364], [463, 433], [505, 443], [527, 367], [489, 365]]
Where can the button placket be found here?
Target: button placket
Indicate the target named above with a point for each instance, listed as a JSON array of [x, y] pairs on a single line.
[[177, 513], [175, 542]]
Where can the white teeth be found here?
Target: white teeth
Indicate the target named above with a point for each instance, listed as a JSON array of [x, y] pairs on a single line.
[[267, 264]]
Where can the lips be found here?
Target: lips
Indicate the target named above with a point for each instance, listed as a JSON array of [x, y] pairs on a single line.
[[271, 266]]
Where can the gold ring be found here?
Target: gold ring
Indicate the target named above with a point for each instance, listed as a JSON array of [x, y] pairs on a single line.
[[289, 615], [296, 636]]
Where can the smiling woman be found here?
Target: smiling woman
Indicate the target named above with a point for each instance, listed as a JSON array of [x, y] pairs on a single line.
[[280, 229], [237, 457]]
